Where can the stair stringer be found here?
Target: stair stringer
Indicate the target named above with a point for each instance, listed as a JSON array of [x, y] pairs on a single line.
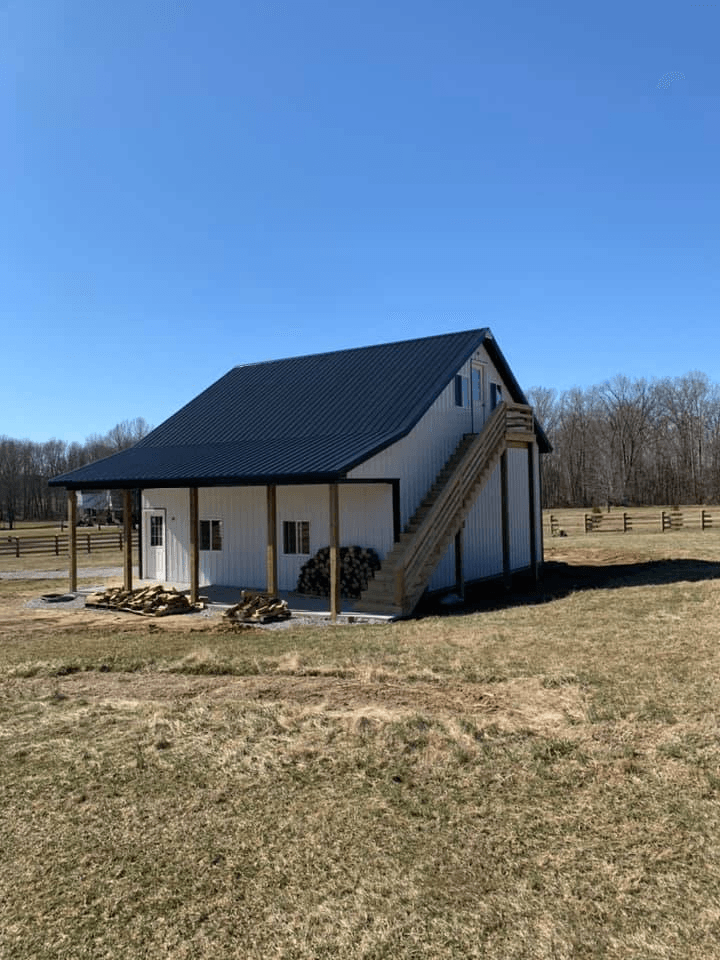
[[408, 567]]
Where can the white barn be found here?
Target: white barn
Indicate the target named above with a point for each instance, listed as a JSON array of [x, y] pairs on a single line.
[[424, 450]]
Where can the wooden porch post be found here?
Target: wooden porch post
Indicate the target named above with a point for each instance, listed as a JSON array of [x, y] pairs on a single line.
[[334, 553], [505, 507], [127, 538], [194, 547], [271, 554], [72, 539]]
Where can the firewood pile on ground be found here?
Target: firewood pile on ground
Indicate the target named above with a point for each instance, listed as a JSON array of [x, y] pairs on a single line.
[[258, 608], [155, 601], [357, 567]]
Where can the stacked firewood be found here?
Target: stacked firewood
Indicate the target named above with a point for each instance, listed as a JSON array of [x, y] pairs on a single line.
[[258, 608], [357, 566], [155, 601]]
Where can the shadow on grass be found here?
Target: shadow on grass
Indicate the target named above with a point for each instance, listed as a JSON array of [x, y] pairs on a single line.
[[561, 579]]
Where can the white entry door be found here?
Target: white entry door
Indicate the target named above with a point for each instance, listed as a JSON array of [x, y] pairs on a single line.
[[154, 543]]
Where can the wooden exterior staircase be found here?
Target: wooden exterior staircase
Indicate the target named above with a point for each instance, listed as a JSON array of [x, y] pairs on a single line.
[[407, 568]]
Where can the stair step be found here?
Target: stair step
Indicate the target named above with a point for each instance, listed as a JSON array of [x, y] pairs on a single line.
[[380, 595]]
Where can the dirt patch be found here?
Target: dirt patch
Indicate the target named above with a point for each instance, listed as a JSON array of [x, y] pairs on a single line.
[[520, 703]]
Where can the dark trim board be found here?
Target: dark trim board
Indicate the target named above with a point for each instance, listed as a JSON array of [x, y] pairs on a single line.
[[397, 521]]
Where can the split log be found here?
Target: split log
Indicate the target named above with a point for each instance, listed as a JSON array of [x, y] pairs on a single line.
[[154, 601], [358, 565], [258, 608]]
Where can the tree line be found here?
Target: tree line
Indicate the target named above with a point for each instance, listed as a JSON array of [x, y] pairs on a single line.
[[631, 441], [624, 441], [26, 467]]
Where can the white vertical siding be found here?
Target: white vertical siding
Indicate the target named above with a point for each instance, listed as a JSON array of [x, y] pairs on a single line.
[[306, 502], [176, 504], [519, 508], [483, 556], [366, 516], [366, 519], [482, 542], [243, 512], [418, 458]]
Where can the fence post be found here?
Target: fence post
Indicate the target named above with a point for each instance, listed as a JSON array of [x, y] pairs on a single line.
[[627, 523], [588, 523], [17, 546], [706, 520], [57, 546], [88, 543], [665, 520], [120, 539]]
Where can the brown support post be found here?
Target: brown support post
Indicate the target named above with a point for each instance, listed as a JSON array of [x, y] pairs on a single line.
[[72, 538], [271, 576], [140, 535], [334, 553], [532, 508], [127, 545], [194, 547], [505, 507]]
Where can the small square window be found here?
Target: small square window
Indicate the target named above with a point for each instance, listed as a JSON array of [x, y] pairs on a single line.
[[296, 537], [211, 534]]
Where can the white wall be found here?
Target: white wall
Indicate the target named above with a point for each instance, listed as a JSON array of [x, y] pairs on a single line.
[[365, 520], [482, 544], [418, 458]]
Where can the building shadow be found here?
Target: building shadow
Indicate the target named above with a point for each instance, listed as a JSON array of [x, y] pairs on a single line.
[[561, 579]]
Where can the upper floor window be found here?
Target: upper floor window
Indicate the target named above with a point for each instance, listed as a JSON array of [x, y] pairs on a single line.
[[211, 534], [461, 391], [477, 385], [495, 394]]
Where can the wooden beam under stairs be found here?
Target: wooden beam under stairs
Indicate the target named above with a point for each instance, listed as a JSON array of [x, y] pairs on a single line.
[[408, 566]]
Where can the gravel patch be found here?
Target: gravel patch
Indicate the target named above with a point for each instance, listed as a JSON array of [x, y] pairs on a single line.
[[213, 610], [103, 573]]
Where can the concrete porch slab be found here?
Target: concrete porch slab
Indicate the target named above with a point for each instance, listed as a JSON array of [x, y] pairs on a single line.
[[222, 597]]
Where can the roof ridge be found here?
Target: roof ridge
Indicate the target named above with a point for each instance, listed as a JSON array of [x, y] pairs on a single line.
[[484, 331]]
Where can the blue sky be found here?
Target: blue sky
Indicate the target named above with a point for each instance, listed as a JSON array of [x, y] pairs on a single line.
[[193, 184]]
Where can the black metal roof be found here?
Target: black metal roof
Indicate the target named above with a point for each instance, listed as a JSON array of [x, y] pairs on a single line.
[[301, 419]]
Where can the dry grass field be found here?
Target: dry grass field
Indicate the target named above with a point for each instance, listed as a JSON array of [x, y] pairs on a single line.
[[538, 778]]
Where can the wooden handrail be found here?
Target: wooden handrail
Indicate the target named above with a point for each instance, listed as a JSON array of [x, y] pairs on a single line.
[[438, 525]]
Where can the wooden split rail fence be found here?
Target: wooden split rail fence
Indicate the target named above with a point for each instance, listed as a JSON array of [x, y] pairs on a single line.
[[58, 545], [665, 520]]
